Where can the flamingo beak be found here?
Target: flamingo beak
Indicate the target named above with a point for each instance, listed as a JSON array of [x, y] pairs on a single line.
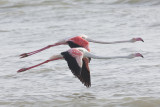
[[139, 55], [139, 39], [142, 40]]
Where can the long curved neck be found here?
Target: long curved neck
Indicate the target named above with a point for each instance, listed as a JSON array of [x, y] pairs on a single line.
[[114, 42], [103, 57]]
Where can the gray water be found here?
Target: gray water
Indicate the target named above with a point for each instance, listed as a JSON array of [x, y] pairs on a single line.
[[28, 25]]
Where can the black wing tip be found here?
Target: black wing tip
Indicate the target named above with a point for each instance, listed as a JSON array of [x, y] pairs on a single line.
[[84, 82], [85, 74], [87, 85]]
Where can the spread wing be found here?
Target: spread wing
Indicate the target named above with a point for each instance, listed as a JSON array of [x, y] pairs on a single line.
[[81, 72], [72, 64], [85, 73]]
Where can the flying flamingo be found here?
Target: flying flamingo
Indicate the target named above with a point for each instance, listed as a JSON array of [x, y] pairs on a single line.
[[79, 41], [77, 59]]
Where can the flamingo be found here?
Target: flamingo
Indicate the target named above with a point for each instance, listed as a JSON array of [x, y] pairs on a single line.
[[79, 41], [77, 59]]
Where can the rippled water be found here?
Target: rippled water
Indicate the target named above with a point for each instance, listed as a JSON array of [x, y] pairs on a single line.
[[27, 25]]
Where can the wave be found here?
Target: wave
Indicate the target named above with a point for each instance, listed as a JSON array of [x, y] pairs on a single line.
[[138, 2], [80, 102], [30, 3], [26, 3]]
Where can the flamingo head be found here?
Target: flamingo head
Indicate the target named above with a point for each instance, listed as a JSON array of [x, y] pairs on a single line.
[[135, 55], [138, 55], [84, 36], [137, 39]]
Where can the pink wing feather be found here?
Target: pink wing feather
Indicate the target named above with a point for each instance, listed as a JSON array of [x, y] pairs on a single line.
[[78, 55]]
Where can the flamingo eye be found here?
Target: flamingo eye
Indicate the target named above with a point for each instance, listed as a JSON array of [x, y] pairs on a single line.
[[83, 37]]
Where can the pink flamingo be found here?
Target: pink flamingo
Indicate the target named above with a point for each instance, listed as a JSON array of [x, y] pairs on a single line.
[[79, 41], [77, 59]]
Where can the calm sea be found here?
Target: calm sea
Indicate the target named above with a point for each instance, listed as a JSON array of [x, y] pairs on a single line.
[[28, 25]]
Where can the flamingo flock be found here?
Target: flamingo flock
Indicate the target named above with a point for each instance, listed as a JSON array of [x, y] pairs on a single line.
[[79, 56]]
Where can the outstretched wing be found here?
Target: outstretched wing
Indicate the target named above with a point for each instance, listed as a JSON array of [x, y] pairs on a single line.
[[85, 73], [78, 66], [72, 63], [72, 44]]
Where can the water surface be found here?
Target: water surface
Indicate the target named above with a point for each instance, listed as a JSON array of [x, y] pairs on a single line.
[[27, 25]]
